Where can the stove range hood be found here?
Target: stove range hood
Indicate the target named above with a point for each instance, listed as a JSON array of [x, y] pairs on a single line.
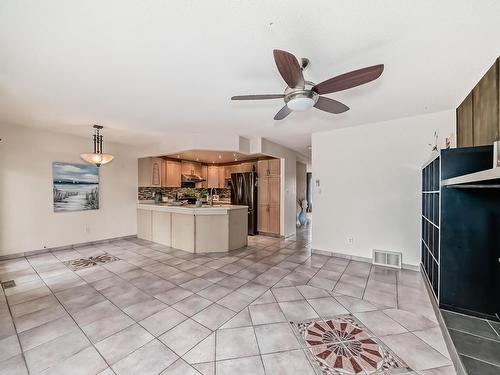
[[191, 178]]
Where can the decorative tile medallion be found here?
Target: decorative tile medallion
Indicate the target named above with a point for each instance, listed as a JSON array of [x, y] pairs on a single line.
[[342, 345], [78, 264]]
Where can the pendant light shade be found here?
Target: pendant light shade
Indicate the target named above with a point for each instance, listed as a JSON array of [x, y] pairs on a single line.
[[97, 157]]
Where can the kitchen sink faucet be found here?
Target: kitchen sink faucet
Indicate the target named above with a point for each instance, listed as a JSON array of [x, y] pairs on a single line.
[[211, 196]]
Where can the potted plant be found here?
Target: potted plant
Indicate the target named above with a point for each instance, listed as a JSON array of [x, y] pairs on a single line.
[[198, 194]]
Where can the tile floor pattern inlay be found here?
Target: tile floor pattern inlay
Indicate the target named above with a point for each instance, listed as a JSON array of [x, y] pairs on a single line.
[[158, 310], [78, 264], [342, 345]]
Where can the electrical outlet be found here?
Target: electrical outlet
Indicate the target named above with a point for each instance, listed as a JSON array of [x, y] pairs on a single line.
[[350, 240]]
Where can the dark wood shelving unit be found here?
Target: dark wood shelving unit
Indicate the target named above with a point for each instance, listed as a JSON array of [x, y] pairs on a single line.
[[460, 241], [430, 222]]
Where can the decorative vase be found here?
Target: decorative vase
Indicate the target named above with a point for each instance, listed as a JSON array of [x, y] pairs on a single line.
[[199, 204], [302, 217]]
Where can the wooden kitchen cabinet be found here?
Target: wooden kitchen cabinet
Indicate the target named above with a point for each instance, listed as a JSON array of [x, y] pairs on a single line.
[[274, 219], [274, 167], [485, 112], [212, 176], [171, 174], [228, 169], [465, 120], [478, 116], [263, 191], [222, 176], [144, 224], [150, 172], [269, 167], [187, 167], [273, 190], [197, 169], [263, 218], [262, 168], [204, 175], [269, 196], [246, 167]]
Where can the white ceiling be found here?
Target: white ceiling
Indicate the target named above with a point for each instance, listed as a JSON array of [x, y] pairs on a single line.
[[152, 69]]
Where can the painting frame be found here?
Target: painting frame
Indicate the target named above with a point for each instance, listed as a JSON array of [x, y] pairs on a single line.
[[75, 187]]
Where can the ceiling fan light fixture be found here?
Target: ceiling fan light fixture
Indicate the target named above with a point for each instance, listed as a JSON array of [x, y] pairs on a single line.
[[301, 103]]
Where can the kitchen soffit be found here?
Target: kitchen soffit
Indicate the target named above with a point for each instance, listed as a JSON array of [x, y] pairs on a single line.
[[216, 157]]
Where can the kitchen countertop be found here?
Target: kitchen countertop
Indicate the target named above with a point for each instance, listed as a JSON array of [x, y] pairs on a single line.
[[217, 209]]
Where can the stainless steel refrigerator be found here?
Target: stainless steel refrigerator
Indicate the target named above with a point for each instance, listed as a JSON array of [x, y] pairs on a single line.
[[244, 193]]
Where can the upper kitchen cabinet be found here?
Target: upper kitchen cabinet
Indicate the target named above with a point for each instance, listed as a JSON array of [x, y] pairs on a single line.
[[222, 176], [158, 172], [150, 172], [269, 167], [212, 176], [465, 120], [485, 112], [204, 176], [191, 168], [478, 116], [171, 174], [216, 176]]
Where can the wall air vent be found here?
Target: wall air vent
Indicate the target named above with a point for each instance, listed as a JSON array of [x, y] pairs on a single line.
[[387, 258]]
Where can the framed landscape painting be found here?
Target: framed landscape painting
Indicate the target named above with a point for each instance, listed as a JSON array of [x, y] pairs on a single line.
[[75, 187]]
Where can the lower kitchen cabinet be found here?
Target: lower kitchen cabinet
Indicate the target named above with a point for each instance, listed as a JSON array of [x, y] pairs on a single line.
[[161, 228], [268, 219], [144, 224]]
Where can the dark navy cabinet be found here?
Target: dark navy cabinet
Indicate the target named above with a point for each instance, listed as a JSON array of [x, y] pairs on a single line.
[[461, 232]]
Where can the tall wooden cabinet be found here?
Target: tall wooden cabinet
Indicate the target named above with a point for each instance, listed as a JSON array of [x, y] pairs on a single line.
[[478, 116], [268, 220]]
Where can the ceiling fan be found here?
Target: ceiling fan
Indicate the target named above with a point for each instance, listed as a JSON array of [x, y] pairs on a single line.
[[301, 95]]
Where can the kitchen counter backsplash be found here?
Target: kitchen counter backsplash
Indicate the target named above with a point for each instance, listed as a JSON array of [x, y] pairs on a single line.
[[148, 193]]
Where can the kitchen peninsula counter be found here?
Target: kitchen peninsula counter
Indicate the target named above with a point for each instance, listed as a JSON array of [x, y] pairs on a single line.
[[195, 229]]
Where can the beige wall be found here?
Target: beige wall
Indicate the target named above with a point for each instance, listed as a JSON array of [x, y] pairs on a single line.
[[301, 180], [370, 183], [27, 220]]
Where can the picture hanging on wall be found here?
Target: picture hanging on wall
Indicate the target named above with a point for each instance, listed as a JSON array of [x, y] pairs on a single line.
[[75, 187]]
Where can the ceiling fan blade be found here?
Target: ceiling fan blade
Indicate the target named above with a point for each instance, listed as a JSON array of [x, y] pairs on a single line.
[[282, 113], [330, 105], [289, 68], [258, 97], [348, 80]]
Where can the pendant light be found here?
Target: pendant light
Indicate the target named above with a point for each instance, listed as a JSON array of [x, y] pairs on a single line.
[[97, 157]]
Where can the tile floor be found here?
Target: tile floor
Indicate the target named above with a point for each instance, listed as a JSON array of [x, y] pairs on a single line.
[[477, 342], [158, 310]]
